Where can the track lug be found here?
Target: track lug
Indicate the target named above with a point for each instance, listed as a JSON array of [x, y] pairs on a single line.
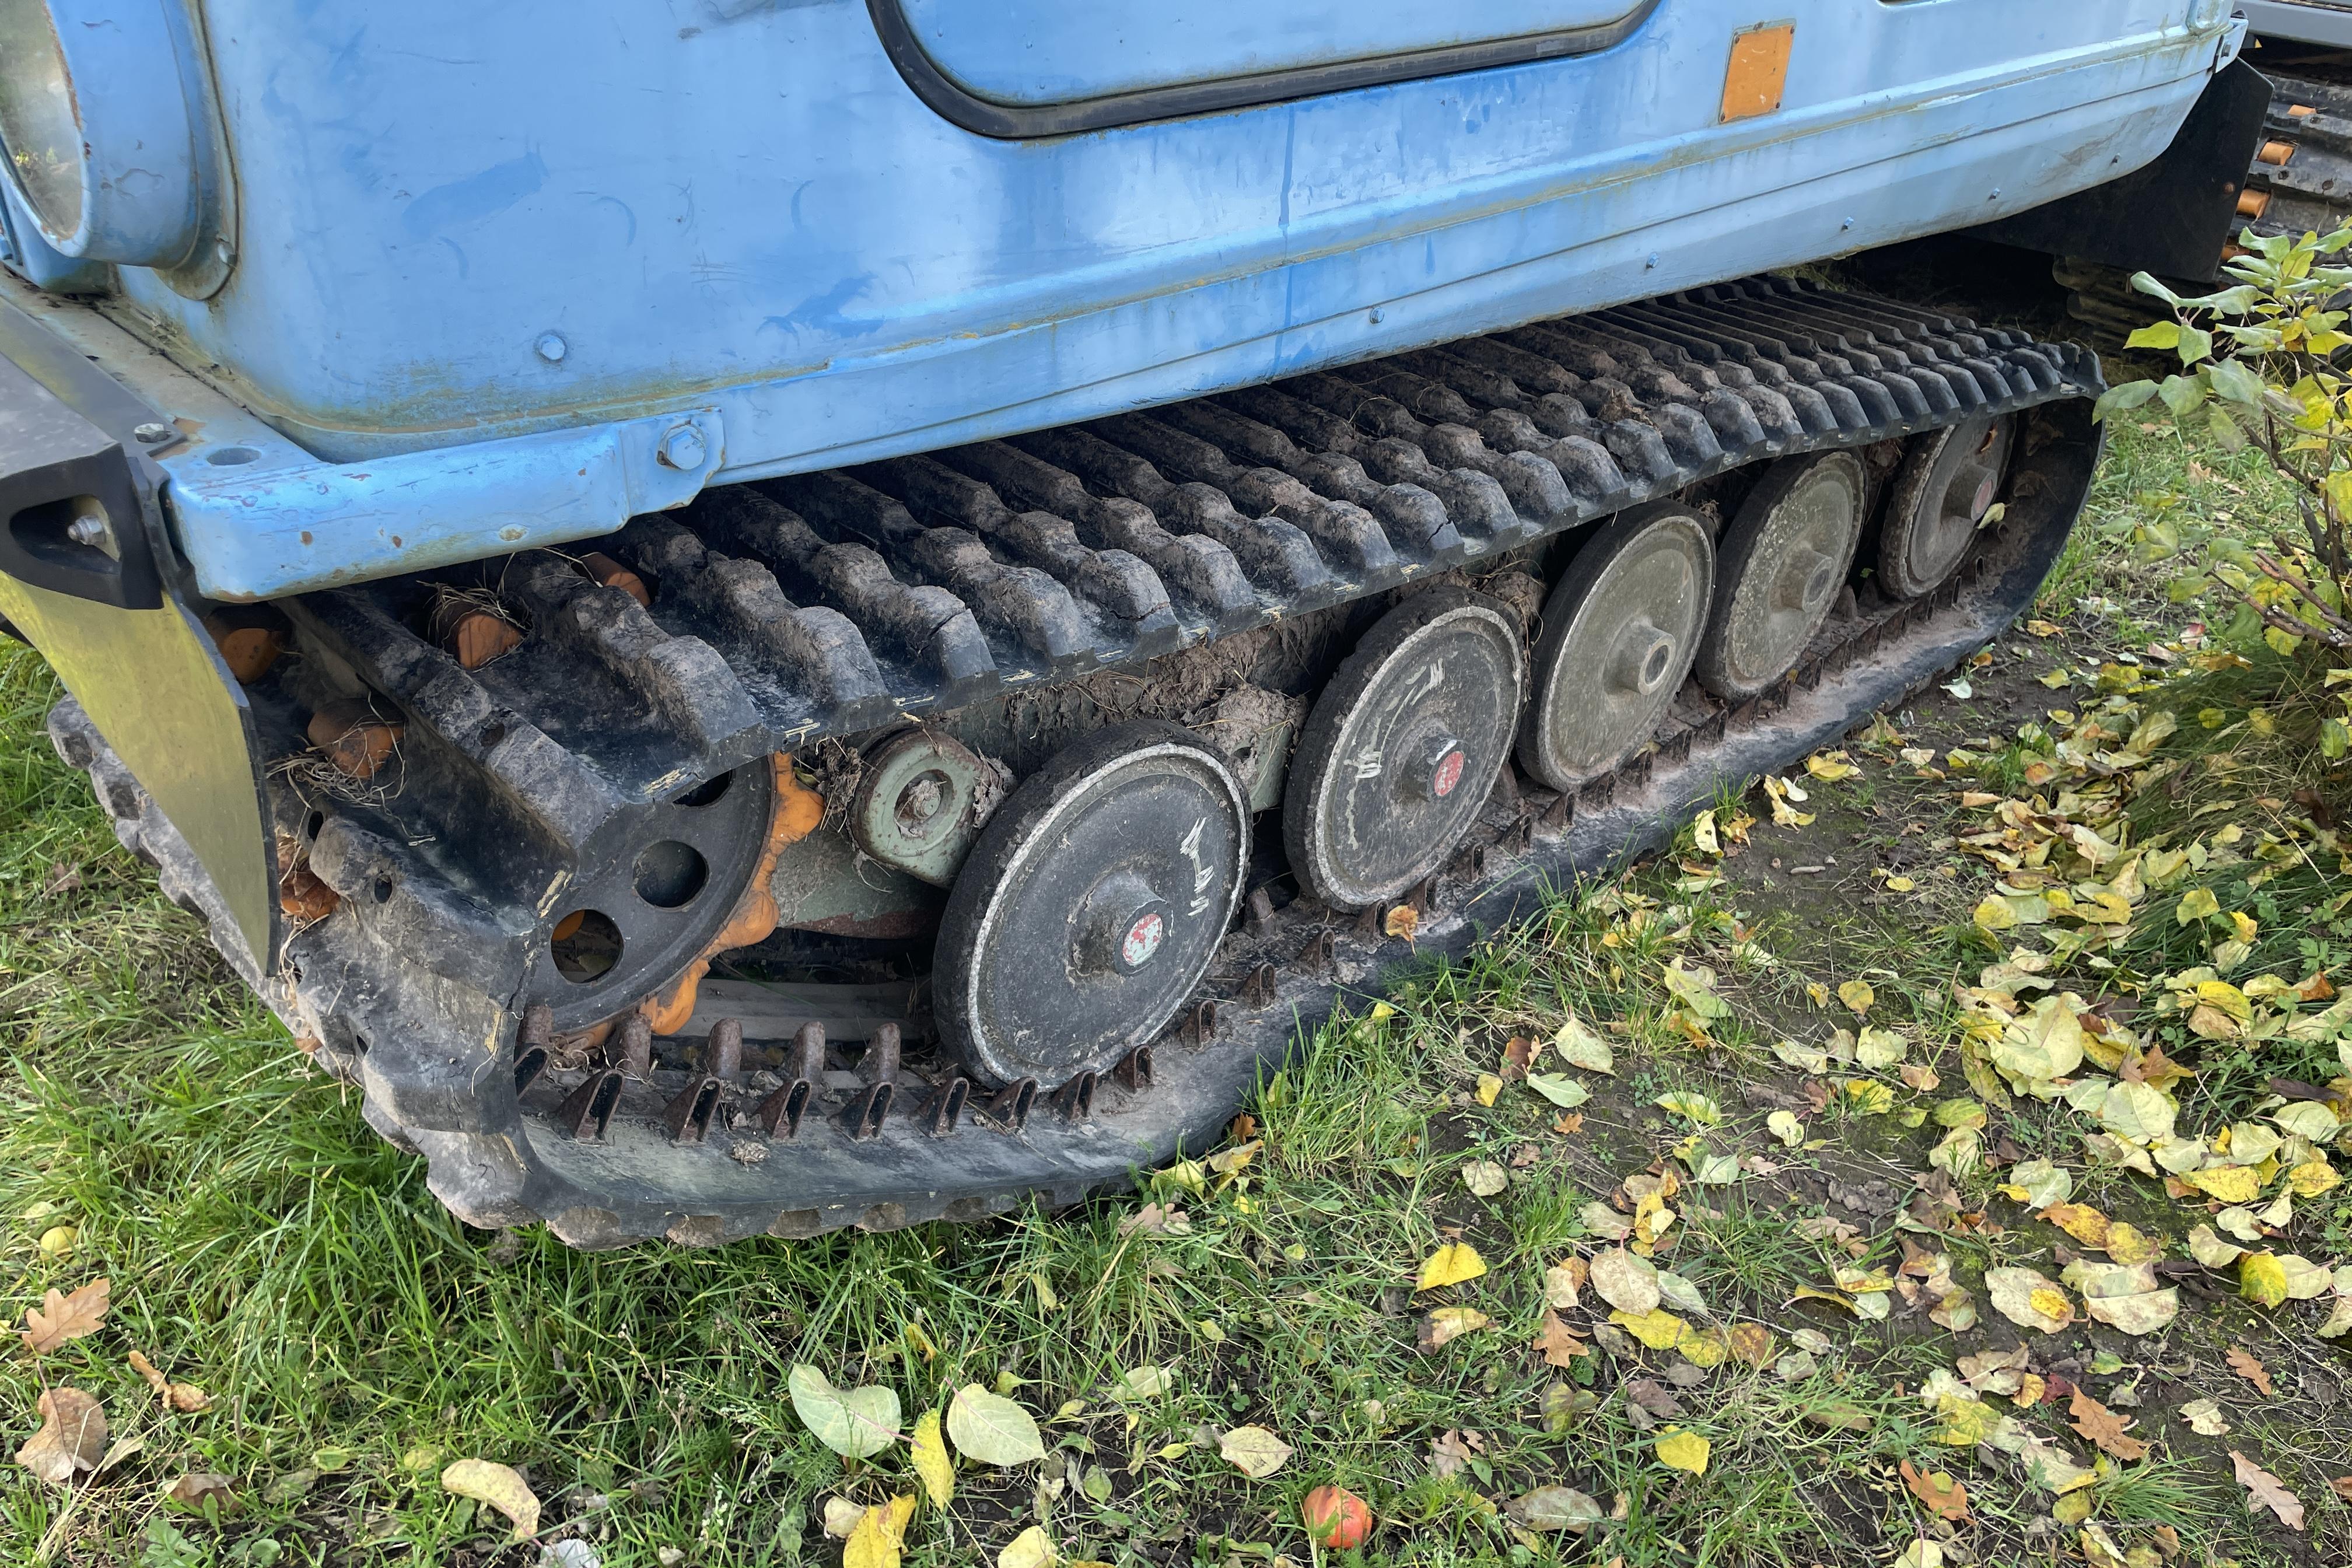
[[1134, 1071], [587, 1110], [1007, 1111], [781, 1111], [1198, 1025], [1075, 1098], [637, 1047], [531, 1043], [723, 1057], [1257, 991], [1261, 911], [1321, 952], [944, 1107], [868, 1111], [688, 1116]]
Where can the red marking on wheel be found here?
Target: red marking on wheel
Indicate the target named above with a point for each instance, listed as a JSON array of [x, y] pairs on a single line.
[[1143, 940], [1984, 496], [1448, 774]]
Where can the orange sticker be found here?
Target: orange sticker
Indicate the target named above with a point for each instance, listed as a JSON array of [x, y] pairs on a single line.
[[1752, 83]]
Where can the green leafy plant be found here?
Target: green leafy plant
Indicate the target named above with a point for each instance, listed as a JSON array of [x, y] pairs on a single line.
[[2264, 362]]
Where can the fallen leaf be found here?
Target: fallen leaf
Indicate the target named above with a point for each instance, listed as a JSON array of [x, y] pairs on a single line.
[[2342, 1487], [1448, 1324], [1752, 1343], [1683, 1450], [1578, 1046], [185, 1398], [853, 1422], [991, 1428], [1518, 1055], [198, 1488], [1556, 1507], [2029, 1299], [1784, 1125], [2262, 1278], [1033, 1548], [501, 1487], [1254, 1451], [1658, 1329], [1404, 921], [60, 1316], [2104, 1427], [1450, 1264], [1626, 1282], [841, 1517], [1490, 1088], [1942, 1495], [2204, 1417], [1484, 1178], [2265, 1490], [1858, 995], [1562, 1091], [2248, 1366], [72, 1436], [931, 1461], [1558, 1343], [1564, 1282], [880, 1534]]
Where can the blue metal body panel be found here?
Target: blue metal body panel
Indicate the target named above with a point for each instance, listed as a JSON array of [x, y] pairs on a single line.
[[464, 230], [1058, 51]]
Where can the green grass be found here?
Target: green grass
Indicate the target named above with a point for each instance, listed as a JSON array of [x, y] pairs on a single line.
[[264, 1244]]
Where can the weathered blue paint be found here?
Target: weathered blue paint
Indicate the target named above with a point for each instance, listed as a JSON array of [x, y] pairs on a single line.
[[741, 207]]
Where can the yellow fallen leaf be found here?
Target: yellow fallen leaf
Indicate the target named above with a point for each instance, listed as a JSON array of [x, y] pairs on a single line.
[[1450, 1265], [2262, 1278], [1489, 1087], [1657, 1327], [2230, 1183], [501, 1487], [1704, 1347], [1857, 994], [880, 1534], [1683, 1450], [1033, 1548], [931, 1461]]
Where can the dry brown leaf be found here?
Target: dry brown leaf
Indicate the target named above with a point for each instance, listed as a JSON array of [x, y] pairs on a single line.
[[1752, 1343], [72, 1436], [2264, 1489], [2342, 1487], [1404, 921], [198, 1487], [1518, 1054], [60, 1316], [2104, 1427], [2243, 1362], [1558, 1343], [1942, 1494], [184, 1397]]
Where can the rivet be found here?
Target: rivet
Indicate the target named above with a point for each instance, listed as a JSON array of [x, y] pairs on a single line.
[[682, 447], [1996, 194], [152, 433], [552, 348], [1652, 262], [1847, 224], [1379, 315]]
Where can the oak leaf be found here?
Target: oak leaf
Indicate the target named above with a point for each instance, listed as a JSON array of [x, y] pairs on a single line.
[[61, 1316], [1938, 1489], [184, 1397], [2248, 1366], [2104, 1427], [2264, 1489]]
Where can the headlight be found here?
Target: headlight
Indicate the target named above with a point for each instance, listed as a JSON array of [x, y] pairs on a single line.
[[97, 103], [37, 116]]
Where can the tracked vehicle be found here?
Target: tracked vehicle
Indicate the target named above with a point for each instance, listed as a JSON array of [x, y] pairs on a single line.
[[759, 618]]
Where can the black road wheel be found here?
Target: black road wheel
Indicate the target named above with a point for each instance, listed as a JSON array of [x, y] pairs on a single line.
[[1947, 481], [1091, 905], [1402, 748], [1619, 633], [1778, 567]]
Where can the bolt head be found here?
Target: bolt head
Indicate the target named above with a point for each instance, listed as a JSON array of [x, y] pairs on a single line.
[[682, 448], [152, 433], [551, 347], [87, 529]]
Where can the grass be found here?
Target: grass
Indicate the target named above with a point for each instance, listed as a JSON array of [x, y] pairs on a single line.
[[264, 1244]]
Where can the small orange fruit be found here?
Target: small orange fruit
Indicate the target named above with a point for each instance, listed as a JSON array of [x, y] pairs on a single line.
[[1336, 1517]]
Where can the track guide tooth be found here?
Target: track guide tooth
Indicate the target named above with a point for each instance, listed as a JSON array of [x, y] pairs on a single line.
[[782, 1112], [688, 1116], [1075, 1098], [1007, 1111], [944, 1107], [587, 1110]]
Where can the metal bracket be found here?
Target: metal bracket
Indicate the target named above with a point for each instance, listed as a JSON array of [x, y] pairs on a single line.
[[259, 520]]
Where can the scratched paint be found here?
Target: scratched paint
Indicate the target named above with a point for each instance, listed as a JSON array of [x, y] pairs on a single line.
[[752, 213]]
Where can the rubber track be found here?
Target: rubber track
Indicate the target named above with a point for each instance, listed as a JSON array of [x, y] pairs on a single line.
[[831, 603], [2311, 191]]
